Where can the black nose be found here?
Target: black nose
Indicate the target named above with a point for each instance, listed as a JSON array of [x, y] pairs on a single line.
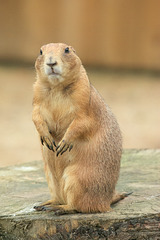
[[51, 64]]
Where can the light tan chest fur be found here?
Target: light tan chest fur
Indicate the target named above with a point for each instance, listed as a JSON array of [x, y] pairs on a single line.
[[57, 110]]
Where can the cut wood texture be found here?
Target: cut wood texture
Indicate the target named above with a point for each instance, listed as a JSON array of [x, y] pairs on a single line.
[[135, 217]]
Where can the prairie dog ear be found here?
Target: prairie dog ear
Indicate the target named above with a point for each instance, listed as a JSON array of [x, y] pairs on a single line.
[[73, 49]]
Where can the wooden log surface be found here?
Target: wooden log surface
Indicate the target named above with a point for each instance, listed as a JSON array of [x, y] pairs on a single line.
[[136, 217]]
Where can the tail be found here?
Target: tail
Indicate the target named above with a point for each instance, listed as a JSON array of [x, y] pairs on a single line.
[[119, 196]]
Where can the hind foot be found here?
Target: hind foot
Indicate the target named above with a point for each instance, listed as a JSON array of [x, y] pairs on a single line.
[[46, 205], [51, 206]]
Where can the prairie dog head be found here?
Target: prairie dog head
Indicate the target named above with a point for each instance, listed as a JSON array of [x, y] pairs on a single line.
[[57, 62]]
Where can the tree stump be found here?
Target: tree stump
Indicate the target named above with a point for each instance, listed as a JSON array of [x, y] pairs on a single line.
[[135, 217]]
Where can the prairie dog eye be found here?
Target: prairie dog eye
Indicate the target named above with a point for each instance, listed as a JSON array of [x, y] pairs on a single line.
[[41, 52], [66, 50]]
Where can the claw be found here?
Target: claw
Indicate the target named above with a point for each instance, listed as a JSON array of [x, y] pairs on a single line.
[[47, 142], [70, 148], [41, 208], [50, 147], [42, 141], [38, 208], [54, 143], [59, 145], [64, 150], [60, 150], [63, 147]]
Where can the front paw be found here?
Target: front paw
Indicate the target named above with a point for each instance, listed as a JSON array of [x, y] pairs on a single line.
[[49, 142], [63, 146]]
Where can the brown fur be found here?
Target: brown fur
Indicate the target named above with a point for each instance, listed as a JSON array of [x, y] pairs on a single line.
[[69, 113]]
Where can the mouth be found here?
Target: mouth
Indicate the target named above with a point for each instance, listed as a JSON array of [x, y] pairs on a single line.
[[53, 73]]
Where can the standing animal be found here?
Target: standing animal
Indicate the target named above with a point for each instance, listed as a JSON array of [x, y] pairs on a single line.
[[81, 139]]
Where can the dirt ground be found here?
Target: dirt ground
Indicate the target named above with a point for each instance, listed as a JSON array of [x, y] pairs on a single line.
[[134, 99]]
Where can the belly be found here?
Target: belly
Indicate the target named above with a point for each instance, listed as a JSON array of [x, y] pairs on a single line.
[[58, 120]]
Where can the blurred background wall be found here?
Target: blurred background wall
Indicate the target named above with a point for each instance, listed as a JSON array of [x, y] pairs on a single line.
[[117, 40], [105, 33]]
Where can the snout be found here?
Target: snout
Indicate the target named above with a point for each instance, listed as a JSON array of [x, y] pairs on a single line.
[[51, 67], [52, 64]]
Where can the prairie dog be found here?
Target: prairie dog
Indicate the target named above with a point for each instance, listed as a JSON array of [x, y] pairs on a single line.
[[81, 139]]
